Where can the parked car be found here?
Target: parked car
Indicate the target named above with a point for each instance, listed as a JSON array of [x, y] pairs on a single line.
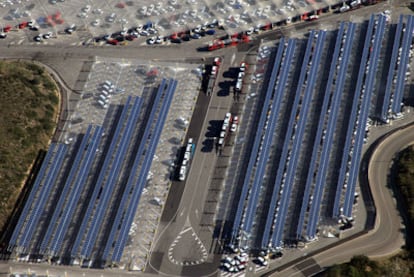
[[48, 35]]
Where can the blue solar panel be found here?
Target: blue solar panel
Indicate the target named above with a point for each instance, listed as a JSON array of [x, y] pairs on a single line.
[[301, 124], [391, 72], [322, 118], [324, 159], [30, 200], [92, 200], [63, 195], [111, 181], [253, 155], [353, 117], [78, 185], [142, 178], [285, 148], [44, 194], [267, 140], [402, 68], [359, 139]]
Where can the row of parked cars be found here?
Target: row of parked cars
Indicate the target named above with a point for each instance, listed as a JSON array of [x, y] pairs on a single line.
[[236, 264]]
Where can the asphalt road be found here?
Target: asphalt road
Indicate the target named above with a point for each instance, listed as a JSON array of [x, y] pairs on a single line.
[[182, 246]]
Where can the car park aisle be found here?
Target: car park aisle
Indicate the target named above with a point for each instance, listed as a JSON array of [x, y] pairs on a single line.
[[182, 234]]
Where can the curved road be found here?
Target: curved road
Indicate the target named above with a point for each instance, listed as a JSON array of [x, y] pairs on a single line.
[[387, 237]]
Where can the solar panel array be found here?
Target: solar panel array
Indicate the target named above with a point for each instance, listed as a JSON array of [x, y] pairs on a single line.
[[359, 116], [70, 193], [109, 185], [320, 131], [386, 109], [402, 66], [281, 86], [305, 173], [299, 124], [142, 177], [256, 145], [329, 133], [45, 190], [89, 236], [101, 179], [398, 66], [274, 211]]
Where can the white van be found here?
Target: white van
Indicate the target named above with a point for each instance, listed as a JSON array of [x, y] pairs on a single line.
[[107, 88], [344, 8], [103, 98], [103, 105]]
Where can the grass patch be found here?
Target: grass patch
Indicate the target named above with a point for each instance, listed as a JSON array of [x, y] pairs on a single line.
[[29, 104]]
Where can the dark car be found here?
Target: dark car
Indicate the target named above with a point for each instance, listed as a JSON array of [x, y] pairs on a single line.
[[176, 40], [185, 37], [210, 32], [130, 37]]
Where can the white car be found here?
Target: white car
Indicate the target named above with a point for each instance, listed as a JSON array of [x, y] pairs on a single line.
[[143, 33], [47, 35], [97, 11], [111, 17], [87, 8], [82, 15], [3, 35], [143, 10], [152, 31], [151, 41], [233, 129], [250, 31], [96, 22], [262, 261], [242, 258], [159, 40]]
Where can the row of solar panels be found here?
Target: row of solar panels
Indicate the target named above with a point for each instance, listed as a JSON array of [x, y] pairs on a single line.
[[36, 200], [263, 140], [323, 139], [323, 144], [139, 184], [71, 191], [296, 131], [280, 90], [394, 90], [359, 116], [87, 234], [256, 145]]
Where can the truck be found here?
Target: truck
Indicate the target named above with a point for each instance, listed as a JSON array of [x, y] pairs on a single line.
[[239, 82], [213, 75], [187, 158], [233, 41], [224, 129]]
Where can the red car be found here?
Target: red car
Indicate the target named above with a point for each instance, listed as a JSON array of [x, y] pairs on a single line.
[[7, 28], [112, 42], [22, 25]]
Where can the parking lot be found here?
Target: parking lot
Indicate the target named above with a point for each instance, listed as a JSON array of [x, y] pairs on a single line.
[[102, 146], [94, 18], [135, 78]]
